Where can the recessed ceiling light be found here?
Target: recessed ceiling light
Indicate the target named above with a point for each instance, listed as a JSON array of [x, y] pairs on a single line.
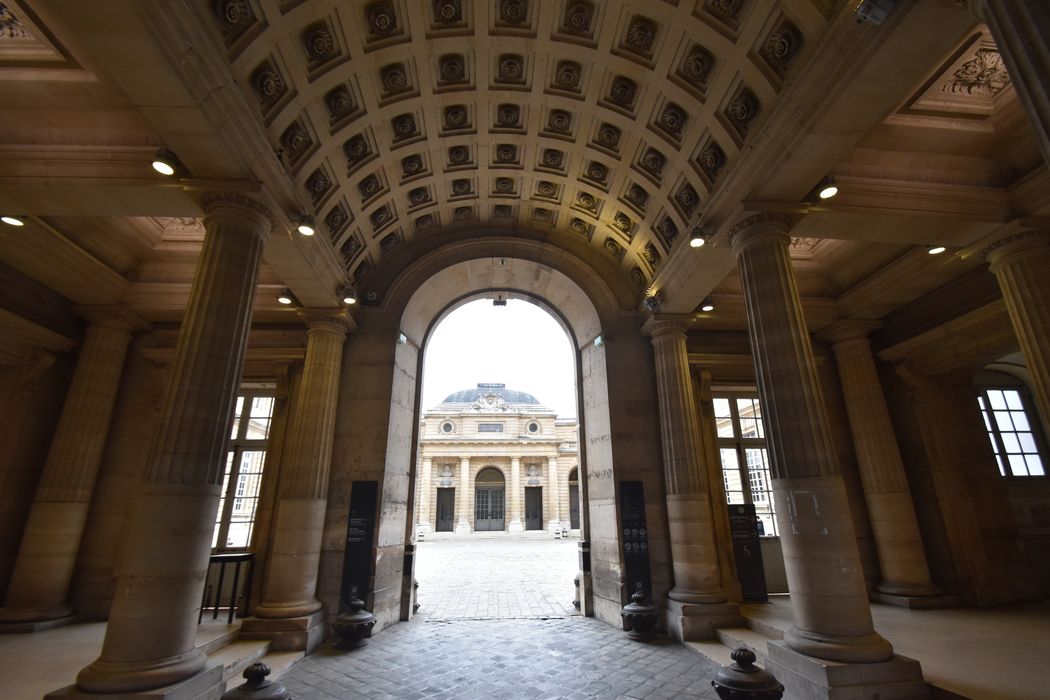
[[697, 240], [935, 249], [285, 297], [707, 305], [165, 162], [305, 225], [12, 220], [349, 296], [827, 188]]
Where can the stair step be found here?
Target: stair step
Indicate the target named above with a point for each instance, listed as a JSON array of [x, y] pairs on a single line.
[[763, 628], [712, 651], [238, 656], [281, 661], [733, 637]]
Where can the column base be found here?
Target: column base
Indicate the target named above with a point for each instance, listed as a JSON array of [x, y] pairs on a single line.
[[869, 649], [917, 602], [206, 685], [288, 634], [911, 590], [123, 678], [807, 678], [462, 528], [693, 622], [37, 618], [515, 526]]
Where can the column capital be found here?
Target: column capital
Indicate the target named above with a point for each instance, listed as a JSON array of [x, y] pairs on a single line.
[[663, 326], [848, 329], [239, 207], [761, 226], [1016, 244], [116, 317], [331, 320]]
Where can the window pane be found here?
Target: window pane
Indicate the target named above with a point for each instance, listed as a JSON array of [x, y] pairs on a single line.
[[234, 427], [749, 428], [1027, 441], [995, 397], [258, 428], [987, 423], [725, 427], [735, 497], [262, 406], [1035, 465], [1013, 399], [1002, 420], [1020, 420], [999, 461], [721, 408], [1010, 442], [748, 408], [1017, 465]]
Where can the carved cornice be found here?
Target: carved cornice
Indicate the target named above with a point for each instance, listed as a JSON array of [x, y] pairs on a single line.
[[329, 320], [848, 329], [215, 201], [662, 327], [119, 318], [1016, 244], [760, 225]]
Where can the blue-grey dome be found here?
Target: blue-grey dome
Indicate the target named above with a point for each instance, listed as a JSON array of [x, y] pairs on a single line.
[[508, 395]]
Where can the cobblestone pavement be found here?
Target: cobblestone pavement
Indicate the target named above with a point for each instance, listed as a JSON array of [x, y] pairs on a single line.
[[506, 577], [573, 657]]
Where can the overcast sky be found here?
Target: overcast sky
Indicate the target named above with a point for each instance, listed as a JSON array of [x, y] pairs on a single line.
[[519, 345]]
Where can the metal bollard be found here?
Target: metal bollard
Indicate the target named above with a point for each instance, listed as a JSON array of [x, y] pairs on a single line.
[[742, 680], [641, 618], [257, 687]]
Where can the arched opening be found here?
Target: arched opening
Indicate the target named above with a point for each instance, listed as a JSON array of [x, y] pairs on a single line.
[[489, 500]]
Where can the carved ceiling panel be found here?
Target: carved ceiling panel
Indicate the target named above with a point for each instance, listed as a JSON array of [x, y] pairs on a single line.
[[611, 121]]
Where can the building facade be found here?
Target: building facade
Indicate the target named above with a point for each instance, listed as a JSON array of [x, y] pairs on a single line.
[[332, 178], [493, 459]]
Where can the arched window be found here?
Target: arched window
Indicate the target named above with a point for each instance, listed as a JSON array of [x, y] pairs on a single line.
[[1012, 424]]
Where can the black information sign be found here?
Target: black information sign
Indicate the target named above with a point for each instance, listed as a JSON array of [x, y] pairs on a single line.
[[743, 525], [635, 538], [360, 535]]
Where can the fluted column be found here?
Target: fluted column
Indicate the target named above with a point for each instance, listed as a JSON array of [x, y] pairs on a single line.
[[463, 497], [697, 577], [1021, 263], [898, 542], [150, 639], [554, 523], [40, 582], [423, 515], [514, 498], [291, 577], [828, 594], [1019, 28]]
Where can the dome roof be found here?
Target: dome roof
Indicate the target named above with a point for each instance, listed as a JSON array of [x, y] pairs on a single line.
[[508, 395]]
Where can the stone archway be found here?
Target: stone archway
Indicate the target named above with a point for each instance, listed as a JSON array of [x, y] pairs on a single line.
[[383, 366]]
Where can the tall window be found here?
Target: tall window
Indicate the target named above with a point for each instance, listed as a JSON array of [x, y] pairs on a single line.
[[1010, 431], [745, 462], [244, 466]]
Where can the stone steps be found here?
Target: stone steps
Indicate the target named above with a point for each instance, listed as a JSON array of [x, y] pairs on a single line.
[[237, 656]]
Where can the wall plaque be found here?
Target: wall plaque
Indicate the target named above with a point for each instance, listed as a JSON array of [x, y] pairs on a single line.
[[360, 538], [743, 525], [635, 538]]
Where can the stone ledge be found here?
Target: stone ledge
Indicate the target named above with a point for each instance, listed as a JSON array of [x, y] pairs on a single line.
[[206, 685], [809, 678]]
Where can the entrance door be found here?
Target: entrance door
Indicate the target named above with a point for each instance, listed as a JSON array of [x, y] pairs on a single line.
[[488, 500], [574, 506], [446, 509], [533, 507]]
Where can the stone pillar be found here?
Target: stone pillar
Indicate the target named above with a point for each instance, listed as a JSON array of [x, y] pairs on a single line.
[[697, 602], [423, 523], [828, 594], [1019, 28], [40, 582], [1021, 263], [151, 637], [898, 542], [554, 523], [514, 498], [291, 576], [463, 500]]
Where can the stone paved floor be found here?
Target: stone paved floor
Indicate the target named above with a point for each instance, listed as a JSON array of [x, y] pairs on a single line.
[[489, 578], [573, 657]]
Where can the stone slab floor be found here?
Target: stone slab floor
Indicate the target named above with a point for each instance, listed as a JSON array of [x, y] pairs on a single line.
[[572, 657], [481, 578]]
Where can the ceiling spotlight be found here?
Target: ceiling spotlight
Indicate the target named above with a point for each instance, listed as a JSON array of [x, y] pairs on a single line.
[[12, 220], [349, 296], [653, 302], [599, 341], [286, 297], [827, 188], [165, 162], [305, 225], [699, 237], [707, 305], [935, 249]]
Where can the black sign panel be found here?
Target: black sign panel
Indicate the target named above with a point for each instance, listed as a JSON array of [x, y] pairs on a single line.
[[360, 536], [635, 537], [743, 525]]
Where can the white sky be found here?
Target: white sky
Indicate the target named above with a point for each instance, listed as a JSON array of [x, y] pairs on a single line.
[[519, 345]]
